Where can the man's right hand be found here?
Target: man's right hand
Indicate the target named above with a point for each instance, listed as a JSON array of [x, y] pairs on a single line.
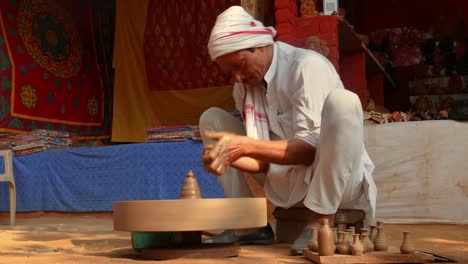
[[230, 150], [215, 164]]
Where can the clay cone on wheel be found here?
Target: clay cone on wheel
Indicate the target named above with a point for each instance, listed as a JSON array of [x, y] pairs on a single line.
[[190, 189]]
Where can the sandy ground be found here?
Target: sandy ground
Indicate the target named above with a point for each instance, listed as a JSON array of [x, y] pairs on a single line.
[[89, 238]]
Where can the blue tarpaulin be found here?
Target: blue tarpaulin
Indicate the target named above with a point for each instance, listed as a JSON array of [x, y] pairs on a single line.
[[92, 178]]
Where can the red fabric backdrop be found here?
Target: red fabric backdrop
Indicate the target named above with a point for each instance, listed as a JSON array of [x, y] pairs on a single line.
[[50, 71], [55, 74], [176, 35]]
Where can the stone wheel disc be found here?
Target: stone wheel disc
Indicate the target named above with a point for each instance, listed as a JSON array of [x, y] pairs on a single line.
[[190, 214]]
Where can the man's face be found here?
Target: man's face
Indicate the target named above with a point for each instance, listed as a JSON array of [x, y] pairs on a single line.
[[245, 66]]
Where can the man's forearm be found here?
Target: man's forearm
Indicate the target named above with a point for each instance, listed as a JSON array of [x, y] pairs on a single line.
[[250, 165], [253, 155], [286, 152]]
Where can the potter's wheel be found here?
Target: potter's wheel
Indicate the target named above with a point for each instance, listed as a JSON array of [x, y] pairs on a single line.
[[185, 218]]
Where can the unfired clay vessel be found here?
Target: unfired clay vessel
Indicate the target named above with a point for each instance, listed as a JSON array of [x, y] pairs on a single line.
[[373, 233], [356, 248], [380, 242], [326, 245], [344, 247], [366, 243], [190, 190], [406, 245]]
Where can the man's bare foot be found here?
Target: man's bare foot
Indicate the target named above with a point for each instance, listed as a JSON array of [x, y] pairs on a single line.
[[259, 236]]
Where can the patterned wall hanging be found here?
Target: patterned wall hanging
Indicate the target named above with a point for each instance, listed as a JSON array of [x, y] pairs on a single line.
[[176, 35], [55, 83]]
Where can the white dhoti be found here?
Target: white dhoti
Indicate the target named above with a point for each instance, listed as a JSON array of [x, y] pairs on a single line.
[[341, 175], [342, 169]]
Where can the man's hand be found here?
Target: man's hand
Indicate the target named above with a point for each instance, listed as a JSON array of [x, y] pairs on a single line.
[[216, 158], [211, 163]]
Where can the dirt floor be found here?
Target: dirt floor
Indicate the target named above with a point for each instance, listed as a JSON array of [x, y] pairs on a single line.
[[89, 238]]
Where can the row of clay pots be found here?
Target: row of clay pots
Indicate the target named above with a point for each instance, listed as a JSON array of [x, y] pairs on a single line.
[[326, 241]]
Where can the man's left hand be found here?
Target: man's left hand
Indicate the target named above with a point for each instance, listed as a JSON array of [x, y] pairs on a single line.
[[226, 150]]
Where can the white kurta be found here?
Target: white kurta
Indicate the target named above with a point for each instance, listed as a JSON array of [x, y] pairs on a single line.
[[299, 82]]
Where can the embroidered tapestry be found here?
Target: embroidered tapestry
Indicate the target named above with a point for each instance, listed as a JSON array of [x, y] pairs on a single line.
[[48, 68]]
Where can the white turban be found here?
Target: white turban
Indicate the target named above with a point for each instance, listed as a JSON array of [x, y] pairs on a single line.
[[235, 30]]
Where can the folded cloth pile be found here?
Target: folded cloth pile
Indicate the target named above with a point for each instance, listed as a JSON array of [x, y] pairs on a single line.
[[39, 140], [168, 133]]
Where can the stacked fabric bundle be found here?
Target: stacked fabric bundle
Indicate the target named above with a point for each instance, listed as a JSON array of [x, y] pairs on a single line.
[[54, 139], [5, 140], [169, 133], [196, 133], [173, 133], [180, 133], [39, 140], [28, 144]]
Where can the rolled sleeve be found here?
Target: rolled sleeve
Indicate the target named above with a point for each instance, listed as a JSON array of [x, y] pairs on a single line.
[[314, 82]]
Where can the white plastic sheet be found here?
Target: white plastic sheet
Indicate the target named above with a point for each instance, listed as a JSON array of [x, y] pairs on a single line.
[[421, 171]]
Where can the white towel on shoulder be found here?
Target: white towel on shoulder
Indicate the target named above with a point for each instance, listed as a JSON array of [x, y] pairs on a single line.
[[254, 113]]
